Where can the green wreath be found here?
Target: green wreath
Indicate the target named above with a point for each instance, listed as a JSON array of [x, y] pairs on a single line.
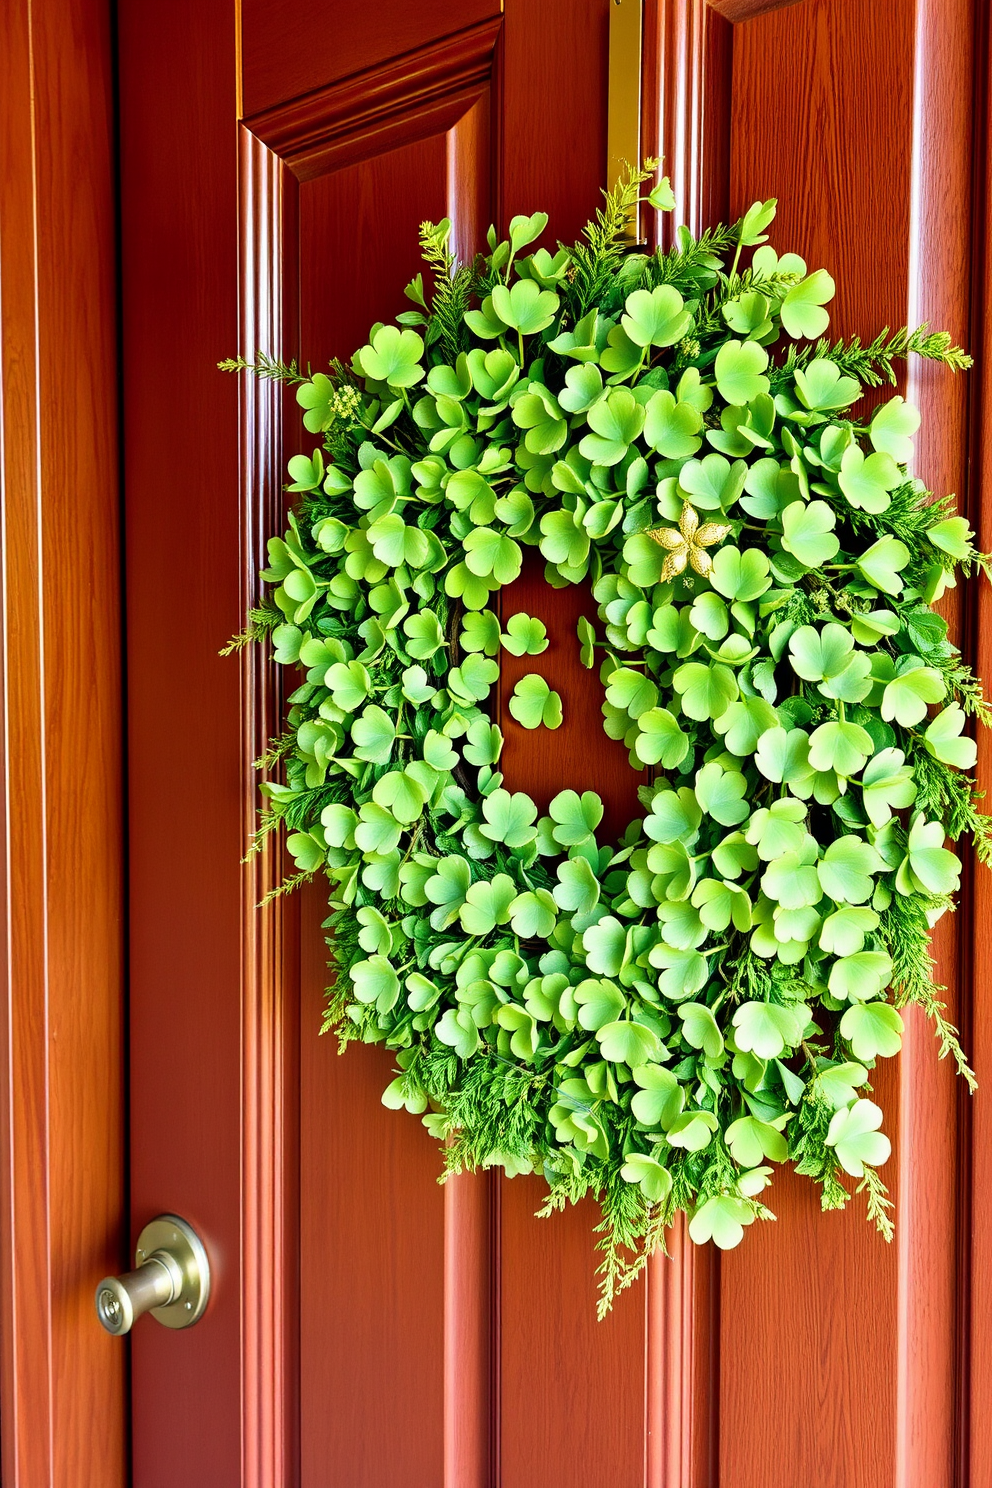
[[655, 1022]]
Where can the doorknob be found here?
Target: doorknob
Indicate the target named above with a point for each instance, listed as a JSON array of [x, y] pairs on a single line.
[[171, 1279]]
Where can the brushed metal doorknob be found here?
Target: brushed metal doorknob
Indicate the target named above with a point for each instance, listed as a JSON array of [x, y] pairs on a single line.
[[171, 1279]]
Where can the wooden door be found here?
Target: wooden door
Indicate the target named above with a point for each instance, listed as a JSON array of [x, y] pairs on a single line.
[[370, 1328]]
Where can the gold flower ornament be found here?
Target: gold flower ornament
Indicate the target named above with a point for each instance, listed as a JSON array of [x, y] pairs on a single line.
[[688, 543]]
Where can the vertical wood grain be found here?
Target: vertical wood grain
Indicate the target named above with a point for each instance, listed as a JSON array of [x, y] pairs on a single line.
[[62, 1387], [181, 247], [864, 1336], [975, 1354]]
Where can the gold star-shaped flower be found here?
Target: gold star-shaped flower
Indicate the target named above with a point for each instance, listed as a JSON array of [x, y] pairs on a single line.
[[688, 543]]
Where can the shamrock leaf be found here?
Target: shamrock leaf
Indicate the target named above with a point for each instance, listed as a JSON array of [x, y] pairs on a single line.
[[907, 697], [306, 850], [424, 635], [393, 357], [616, 422], [524, 306], [654, 1181], [828, 658], [883, 562], [533, 703], [402, 793], [767, 1029], [840, 746], [740, 576], [943, 739], [860, 976], [375, 981], [845, 870], [575, 817], [778, 828], [808, 532], [801, 311], [628, 1043], [838, 1083], [891, 429], [632, 691], [872, 1030], [743, 724], [887, 785], [509, 818], [739, 370], [721, 904], [671, 429], [692, 1130], [866, 480], [487, 904], [533, 914], [660, 740], [673, 815], [928, 867], [700, 1029], [480, 631], [599, 1002], [751, 1141], [457, 1029], [524, 636], [853, 1134], [659, 1101], [704, 691], [722, 793], [783, 756], [373, 733], [565, 544], [578, 888], [317, 397], [952, 536], [791, 882], [822, 387], [843, 933], [473, 678], [489, 553], [655, 317], [713, 483], [722, 1220]]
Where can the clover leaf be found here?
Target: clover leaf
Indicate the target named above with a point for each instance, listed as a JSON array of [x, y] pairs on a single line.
[[713, 483], [853, 1134], [533, 703], [740, 576], [660, 740], [721, 1219], [751, 1140], [704, 691], [524, 636], [616, 421], [578, 888], [654, 1181], [660, 1098], [872, 1030], [575, 817], [671, 428], [866, 480], [802, 312], [628, 1043], [489, 553], [887, 785], [943, 739], [655, 317], [393, 357], [768, 1029], [860, 976], [524, 306], [509, 818], [487, 904], [883, 562], [892, 428], [317, 397], [808, 532], [928, 867], [740, 368], [909, 694]]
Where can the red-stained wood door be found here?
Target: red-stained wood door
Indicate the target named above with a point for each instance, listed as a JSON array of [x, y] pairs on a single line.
[[370, 1328]]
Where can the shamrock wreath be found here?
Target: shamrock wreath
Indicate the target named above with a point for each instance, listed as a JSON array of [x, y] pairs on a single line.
[[659, 1021]]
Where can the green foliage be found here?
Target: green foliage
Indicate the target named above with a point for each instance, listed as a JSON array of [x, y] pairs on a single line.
[[657, 1023]]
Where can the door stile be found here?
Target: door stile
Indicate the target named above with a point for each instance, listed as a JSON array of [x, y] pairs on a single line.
[[270, 980]]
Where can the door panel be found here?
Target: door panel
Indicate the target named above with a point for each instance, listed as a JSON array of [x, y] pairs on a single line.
[[371, 1327]]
